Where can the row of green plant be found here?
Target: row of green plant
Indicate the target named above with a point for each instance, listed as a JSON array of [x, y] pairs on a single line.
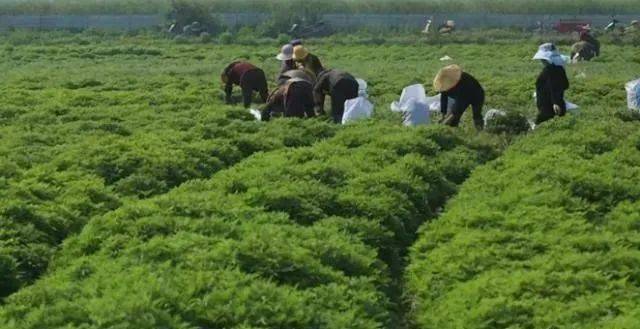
[[298, 238], [322, 6], [79, 139], [544, 237]]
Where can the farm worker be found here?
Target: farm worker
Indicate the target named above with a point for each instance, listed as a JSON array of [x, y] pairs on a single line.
[[248, 77], [587, 37], [292, 98], [583, 51], [340, 85], [633, 27], [299, 74], [306, 60], [465, 90], [286, 57], [447, 27], [551, 83]]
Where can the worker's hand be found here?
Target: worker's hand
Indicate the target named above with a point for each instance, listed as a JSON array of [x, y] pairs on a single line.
[[557, 109]]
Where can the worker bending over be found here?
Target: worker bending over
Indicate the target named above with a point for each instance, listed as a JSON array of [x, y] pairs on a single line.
[[465, 90], [306, 60], [340, 85], [248, 77], [587, 48], [551, 83], [292, 98]]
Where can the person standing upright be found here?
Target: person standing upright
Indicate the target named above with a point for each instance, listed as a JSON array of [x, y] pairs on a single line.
[[551, 83]]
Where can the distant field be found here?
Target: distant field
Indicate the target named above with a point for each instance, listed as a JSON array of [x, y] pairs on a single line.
[[325, 6]]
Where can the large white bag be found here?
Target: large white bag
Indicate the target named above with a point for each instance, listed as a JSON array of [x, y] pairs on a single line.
[[356, 109], [633, 94], [415, 113], [413, 93]]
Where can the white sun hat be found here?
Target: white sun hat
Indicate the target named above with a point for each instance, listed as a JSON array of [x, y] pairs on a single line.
[[286, 53], [549, 52]]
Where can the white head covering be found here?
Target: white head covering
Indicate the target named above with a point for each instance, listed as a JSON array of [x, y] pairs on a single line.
[[286, 53], [549, 52]]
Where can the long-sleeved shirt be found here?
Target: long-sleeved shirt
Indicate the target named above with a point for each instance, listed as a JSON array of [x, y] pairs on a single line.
[[326, 83], [293, 99], [247, 76], [551, 85], [468, 91], [236, 70], [288, 66], [590, 39], [311, 63], [295, 74]]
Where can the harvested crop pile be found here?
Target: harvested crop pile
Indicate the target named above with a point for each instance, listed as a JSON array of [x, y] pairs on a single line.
[[545, 237], [299, 238]]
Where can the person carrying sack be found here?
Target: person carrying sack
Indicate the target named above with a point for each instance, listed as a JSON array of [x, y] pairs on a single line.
[[306, 60], [248, 77], [551, 84], [293, 98], [465, 90], [340, 85]]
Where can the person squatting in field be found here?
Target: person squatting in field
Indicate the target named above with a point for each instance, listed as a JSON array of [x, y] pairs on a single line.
[[306, 60], [340, 85], [248, 77], [465, 90], [587, 48], [292, 98], [551, 83]]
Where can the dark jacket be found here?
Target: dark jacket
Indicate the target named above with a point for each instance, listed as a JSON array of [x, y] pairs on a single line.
[[586, 37], [585, 51], [467, 92], [288, 66], [295, 74], [327, 82], [292, 99], [550, 87], [311, 63]]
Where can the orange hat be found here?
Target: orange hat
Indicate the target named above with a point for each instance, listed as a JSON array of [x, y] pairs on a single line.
[[300, 53]]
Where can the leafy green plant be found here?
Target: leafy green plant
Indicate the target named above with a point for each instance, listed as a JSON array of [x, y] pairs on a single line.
[[540, 238]]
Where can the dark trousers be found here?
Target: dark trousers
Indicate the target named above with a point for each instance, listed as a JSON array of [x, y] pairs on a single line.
[[298, 101], [343, 90], [454, 115], [253, 80], [545, 109]]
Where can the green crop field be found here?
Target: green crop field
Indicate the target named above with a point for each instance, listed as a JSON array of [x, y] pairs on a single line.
[[132, 197]]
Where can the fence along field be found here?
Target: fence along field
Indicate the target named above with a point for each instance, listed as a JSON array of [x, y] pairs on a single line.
[[608, 7], [128, 135]]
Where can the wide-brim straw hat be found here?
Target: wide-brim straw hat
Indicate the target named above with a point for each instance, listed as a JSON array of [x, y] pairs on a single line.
[[286, 53], [300, 53], [447, 78]]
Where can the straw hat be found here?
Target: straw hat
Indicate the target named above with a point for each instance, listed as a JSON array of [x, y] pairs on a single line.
[[447, 78], [300, 53], [635, 22], [286, 53]]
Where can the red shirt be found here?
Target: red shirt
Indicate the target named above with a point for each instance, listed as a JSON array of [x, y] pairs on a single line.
[[236, 70]]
